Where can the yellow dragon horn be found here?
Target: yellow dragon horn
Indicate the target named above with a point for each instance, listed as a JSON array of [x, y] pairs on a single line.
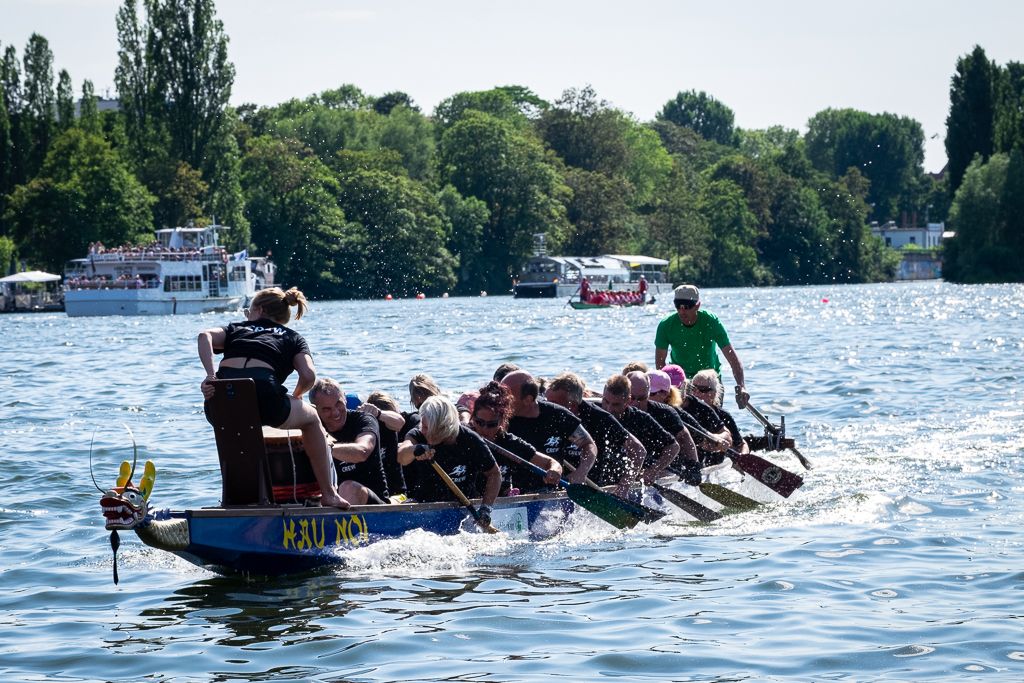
[[124, 473], [148, 477]]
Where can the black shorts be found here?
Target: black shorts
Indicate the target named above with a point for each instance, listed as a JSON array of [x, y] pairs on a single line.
[[272, 398]]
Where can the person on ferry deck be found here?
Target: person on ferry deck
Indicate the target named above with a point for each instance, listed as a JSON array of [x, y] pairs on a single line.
[[263, 349], [549, 428], [355, 445], [460, 452], [489, 418]]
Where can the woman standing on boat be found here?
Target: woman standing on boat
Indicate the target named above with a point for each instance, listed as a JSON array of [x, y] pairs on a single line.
[[263, 349]]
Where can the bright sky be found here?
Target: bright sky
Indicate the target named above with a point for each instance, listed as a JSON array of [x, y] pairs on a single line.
[[773, 63]]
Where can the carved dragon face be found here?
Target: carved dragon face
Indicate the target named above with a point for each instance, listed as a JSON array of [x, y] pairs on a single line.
[[124, 507]]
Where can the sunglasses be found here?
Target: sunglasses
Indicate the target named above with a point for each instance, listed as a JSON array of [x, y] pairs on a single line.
[[686, 303], [486, 424], [702, 389]]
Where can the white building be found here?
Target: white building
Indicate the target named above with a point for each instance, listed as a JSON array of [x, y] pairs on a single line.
[[928, 237]]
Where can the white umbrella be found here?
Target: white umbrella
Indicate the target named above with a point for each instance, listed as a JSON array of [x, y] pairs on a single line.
[[31, 276]]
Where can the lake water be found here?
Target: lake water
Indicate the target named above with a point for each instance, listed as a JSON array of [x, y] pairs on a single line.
[[900, 559]]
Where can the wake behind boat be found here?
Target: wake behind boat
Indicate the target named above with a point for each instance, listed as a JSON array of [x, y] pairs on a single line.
[[184, 270]]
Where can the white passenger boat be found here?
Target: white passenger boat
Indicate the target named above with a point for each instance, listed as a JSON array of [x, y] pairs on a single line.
[[184, 271]]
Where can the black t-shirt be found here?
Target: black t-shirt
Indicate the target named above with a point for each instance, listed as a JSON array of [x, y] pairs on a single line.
[[647, 430], [705, 415], [464, 461], [515, 474], [370, 472], [412, 420], [389, 454], [610, 436], [667, 417], [550, 432], [265, 340]]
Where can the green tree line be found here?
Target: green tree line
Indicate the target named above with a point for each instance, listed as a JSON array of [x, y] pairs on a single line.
[[357, 195]]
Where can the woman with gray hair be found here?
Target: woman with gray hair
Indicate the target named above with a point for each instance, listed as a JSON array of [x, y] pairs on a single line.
[[706, 386], [460, 452]]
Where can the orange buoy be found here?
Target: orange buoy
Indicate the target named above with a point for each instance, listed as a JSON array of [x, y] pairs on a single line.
[[387, 297], [421, 295]]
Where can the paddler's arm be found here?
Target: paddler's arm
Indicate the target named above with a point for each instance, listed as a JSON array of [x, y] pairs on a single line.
[[303, 364], [635, 454], [207, 341], [356, 451], [737, 372], [407, 453], [668, 454], [659, 358], [492, 487], [553, 469], [588, 455]]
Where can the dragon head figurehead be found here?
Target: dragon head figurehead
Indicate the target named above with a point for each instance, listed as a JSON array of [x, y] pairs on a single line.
[[125, 505]]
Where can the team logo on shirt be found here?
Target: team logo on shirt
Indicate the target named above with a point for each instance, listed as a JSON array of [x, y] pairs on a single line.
[[553, 444], [458, 473]]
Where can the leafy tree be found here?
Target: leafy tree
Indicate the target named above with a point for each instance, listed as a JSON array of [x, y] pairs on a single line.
[[971, 113], [404, 231], [797, 248], [598, 212], [887, 149], [142, 93], [83, 193], [89, 115], [467, 217], [701, 113], [585, 132], [768, 144], [38, 102], [7, 251], [411, 134], [1013, 209], [291, 205], [1009, 114], [733, 228], [493, 160], [514, 104], [678, 229], [858, 256], [6, 156], [182, 197], [384, 104], [65, 101]]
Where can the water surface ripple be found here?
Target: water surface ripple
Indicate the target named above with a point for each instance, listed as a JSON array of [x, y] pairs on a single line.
[[900, 559]]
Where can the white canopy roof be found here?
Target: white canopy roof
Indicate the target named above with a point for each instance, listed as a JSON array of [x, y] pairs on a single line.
[[31, 276]]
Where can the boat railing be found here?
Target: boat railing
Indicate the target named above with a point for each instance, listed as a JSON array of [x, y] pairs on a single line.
[[111, 284], [218, 254]]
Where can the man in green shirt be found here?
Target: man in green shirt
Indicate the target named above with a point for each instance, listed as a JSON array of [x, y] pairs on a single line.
[[694, 337]]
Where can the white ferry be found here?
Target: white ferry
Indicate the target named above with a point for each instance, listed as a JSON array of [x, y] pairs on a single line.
[[184, 271], [560, 276]]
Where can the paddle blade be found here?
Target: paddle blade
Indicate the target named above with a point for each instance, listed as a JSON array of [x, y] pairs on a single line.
[[783, 482], [688, 505], [727, 497], [618, 512]]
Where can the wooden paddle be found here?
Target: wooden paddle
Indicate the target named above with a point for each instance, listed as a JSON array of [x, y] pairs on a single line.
[[618, 512], [462, 497], [775, 430], [569, 300], [687, 504], [782, 481]]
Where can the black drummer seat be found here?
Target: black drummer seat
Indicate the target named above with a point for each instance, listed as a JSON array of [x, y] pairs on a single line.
[[244, 470]]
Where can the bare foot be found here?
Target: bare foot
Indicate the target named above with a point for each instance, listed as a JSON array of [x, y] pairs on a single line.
[[334, 502]]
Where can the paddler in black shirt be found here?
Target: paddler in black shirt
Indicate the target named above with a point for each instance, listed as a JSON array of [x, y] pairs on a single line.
[[669, 419], [694, 412], [620, 455], [264, 350], [549, 428], [355, 445], [460, 452], [660, 445]]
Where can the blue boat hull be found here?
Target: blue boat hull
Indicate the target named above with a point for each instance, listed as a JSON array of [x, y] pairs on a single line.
[[292, 538]]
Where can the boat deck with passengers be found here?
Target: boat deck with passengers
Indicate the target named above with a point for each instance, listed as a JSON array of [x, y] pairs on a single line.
[[185, 270]]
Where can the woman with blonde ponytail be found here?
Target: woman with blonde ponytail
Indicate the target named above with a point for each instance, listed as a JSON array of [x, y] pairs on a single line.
[[263, 349]]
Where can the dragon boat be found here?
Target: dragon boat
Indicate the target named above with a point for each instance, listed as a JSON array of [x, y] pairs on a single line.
[[267, 524]]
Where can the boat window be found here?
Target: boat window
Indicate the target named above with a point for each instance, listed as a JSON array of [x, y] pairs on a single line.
[[183, 283]]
